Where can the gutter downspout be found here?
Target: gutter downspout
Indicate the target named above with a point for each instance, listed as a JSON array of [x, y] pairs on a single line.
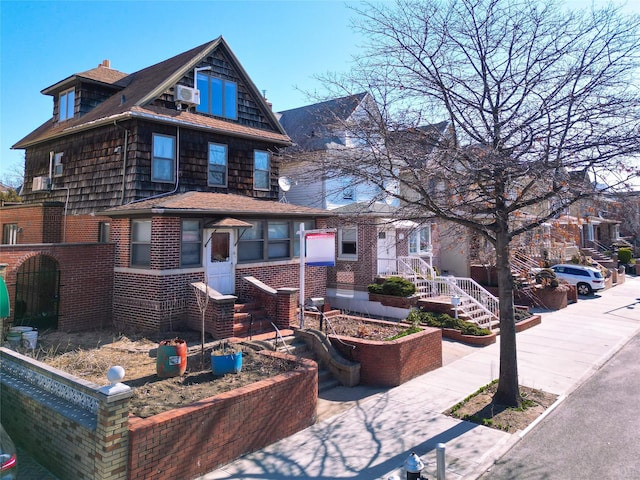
[[125, 158]]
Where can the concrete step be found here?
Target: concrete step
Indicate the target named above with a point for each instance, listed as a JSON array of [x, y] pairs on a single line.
[[299, 348]]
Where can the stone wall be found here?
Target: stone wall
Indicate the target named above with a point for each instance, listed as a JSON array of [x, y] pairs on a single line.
[[76, 429]]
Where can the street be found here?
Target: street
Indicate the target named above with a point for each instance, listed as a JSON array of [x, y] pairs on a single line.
[[593, 434]]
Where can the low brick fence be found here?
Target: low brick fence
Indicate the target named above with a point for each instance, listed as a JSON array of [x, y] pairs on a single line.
[[82, 431], [392, 363], [190, 441], [75, 428]]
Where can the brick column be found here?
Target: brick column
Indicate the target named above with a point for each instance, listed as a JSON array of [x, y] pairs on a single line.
[[112, 433], [286, 307], [220, 316]]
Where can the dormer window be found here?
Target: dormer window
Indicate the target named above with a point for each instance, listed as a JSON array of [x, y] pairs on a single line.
[[217, 96], [66, 103]]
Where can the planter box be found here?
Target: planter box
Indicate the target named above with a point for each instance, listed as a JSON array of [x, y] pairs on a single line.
[[480, 341], [393, 301], [389, 364], [532, 321], [551, 298]]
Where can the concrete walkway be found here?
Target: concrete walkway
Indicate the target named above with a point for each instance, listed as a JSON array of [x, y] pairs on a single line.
[[369, 433]]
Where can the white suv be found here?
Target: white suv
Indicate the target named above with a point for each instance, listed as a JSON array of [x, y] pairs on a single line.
[[587, 279]]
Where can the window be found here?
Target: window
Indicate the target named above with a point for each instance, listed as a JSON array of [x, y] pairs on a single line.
[[66, 103], [251, 244], [164, 156], [420, 241], [104, 232], [217, 165], [191, 243], [347, 189], [348, 243], [57, 164], [260, 170], [141, 243], [10, 234], [217, 96], [271, 240], [279, 239]]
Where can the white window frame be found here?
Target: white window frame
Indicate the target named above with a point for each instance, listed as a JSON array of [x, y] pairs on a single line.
[[226, 165], [351, 232], [10, 234], [414, 243], [256, 170], [66, 110], [140, 243], [157, 158], [190, 237], [57, 164]]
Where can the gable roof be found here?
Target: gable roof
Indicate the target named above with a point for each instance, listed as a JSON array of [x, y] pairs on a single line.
[[207, 203], [140, 88], [313, 127]]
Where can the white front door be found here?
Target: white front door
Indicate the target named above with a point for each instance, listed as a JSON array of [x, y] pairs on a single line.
[[220, 260], [386, 251]]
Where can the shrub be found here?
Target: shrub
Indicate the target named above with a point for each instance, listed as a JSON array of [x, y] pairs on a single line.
[[394, 286], [547, 278], [624, 255], [444, 320]]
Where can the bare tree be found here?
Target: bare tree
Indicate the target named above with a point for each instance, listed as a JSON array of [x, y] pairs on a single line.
[[537, 100]]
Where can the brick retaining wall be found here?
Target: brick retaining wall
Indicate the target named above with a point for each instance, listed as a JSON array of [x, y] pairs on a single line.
[[190, 441], [389, 364]]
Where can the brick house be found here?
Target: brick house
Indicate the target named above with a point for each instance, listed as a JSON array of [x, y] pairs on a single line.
[[175, 167]]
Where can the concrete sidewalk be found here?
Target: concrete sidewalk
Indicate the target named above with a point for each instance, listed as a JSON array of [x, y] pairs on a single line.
[[370, 434]]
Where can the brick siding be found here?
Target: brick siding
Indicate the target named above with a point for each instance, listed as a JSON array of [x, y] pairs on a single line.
[[86, 281]]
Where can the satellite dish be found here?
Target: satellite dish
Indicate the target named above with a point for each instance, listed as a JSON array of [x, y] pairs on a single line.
[[284, 183]]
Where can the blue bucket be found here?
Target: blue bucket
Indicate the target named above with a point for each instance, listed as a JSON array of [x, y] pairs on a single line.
[[226, 363]]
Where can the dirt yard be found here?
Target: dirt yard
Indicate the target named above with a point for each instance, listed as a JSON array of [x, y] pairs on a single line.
[[89, 355], [481, 409]]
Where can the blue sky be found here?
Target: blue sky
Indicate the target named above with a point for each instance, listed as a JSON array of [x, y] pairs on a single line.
[[281, 44]]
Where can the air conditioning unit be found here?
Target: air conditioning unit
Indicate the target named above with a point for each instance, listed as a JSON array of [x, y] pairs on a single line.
[[187, 95], [41, 184]]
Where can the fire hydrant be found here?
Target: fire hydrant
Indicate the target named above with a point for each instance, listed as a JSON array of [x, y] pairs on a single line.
[[413, 465]]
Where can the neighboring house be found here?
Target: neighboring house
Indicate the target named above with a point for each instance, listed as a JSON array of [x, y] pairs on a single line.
[[371, 238], [177, 166]]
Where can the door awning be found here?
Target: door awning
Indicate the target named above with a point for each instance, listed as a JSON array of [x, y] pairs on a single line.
[[228, 222]]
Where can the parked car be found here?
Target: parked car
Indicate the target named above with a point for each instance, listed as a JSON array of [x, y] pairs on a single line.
[[586, 279], [8, 457]]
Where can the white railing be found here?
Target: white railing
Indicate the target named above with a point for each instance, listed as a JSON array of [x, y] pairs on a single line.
[[415, 268], [476, 302]]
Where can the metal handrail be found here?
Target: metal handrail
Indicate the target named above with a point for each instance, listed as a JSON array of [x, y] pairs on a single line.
[[279, 335], [324, 318]]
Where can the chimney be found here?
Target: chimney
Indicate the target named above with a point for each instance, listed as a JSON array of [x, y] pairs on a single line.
[[264, 96], [105, 63]]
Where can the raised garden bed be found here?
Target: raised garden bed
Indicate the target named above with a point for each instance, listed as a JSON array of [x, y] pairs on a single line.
[[389, 363]]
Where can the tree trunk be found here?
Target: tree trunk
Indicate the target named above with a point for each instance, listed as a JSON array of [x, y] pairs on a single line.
[[508, 392]]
